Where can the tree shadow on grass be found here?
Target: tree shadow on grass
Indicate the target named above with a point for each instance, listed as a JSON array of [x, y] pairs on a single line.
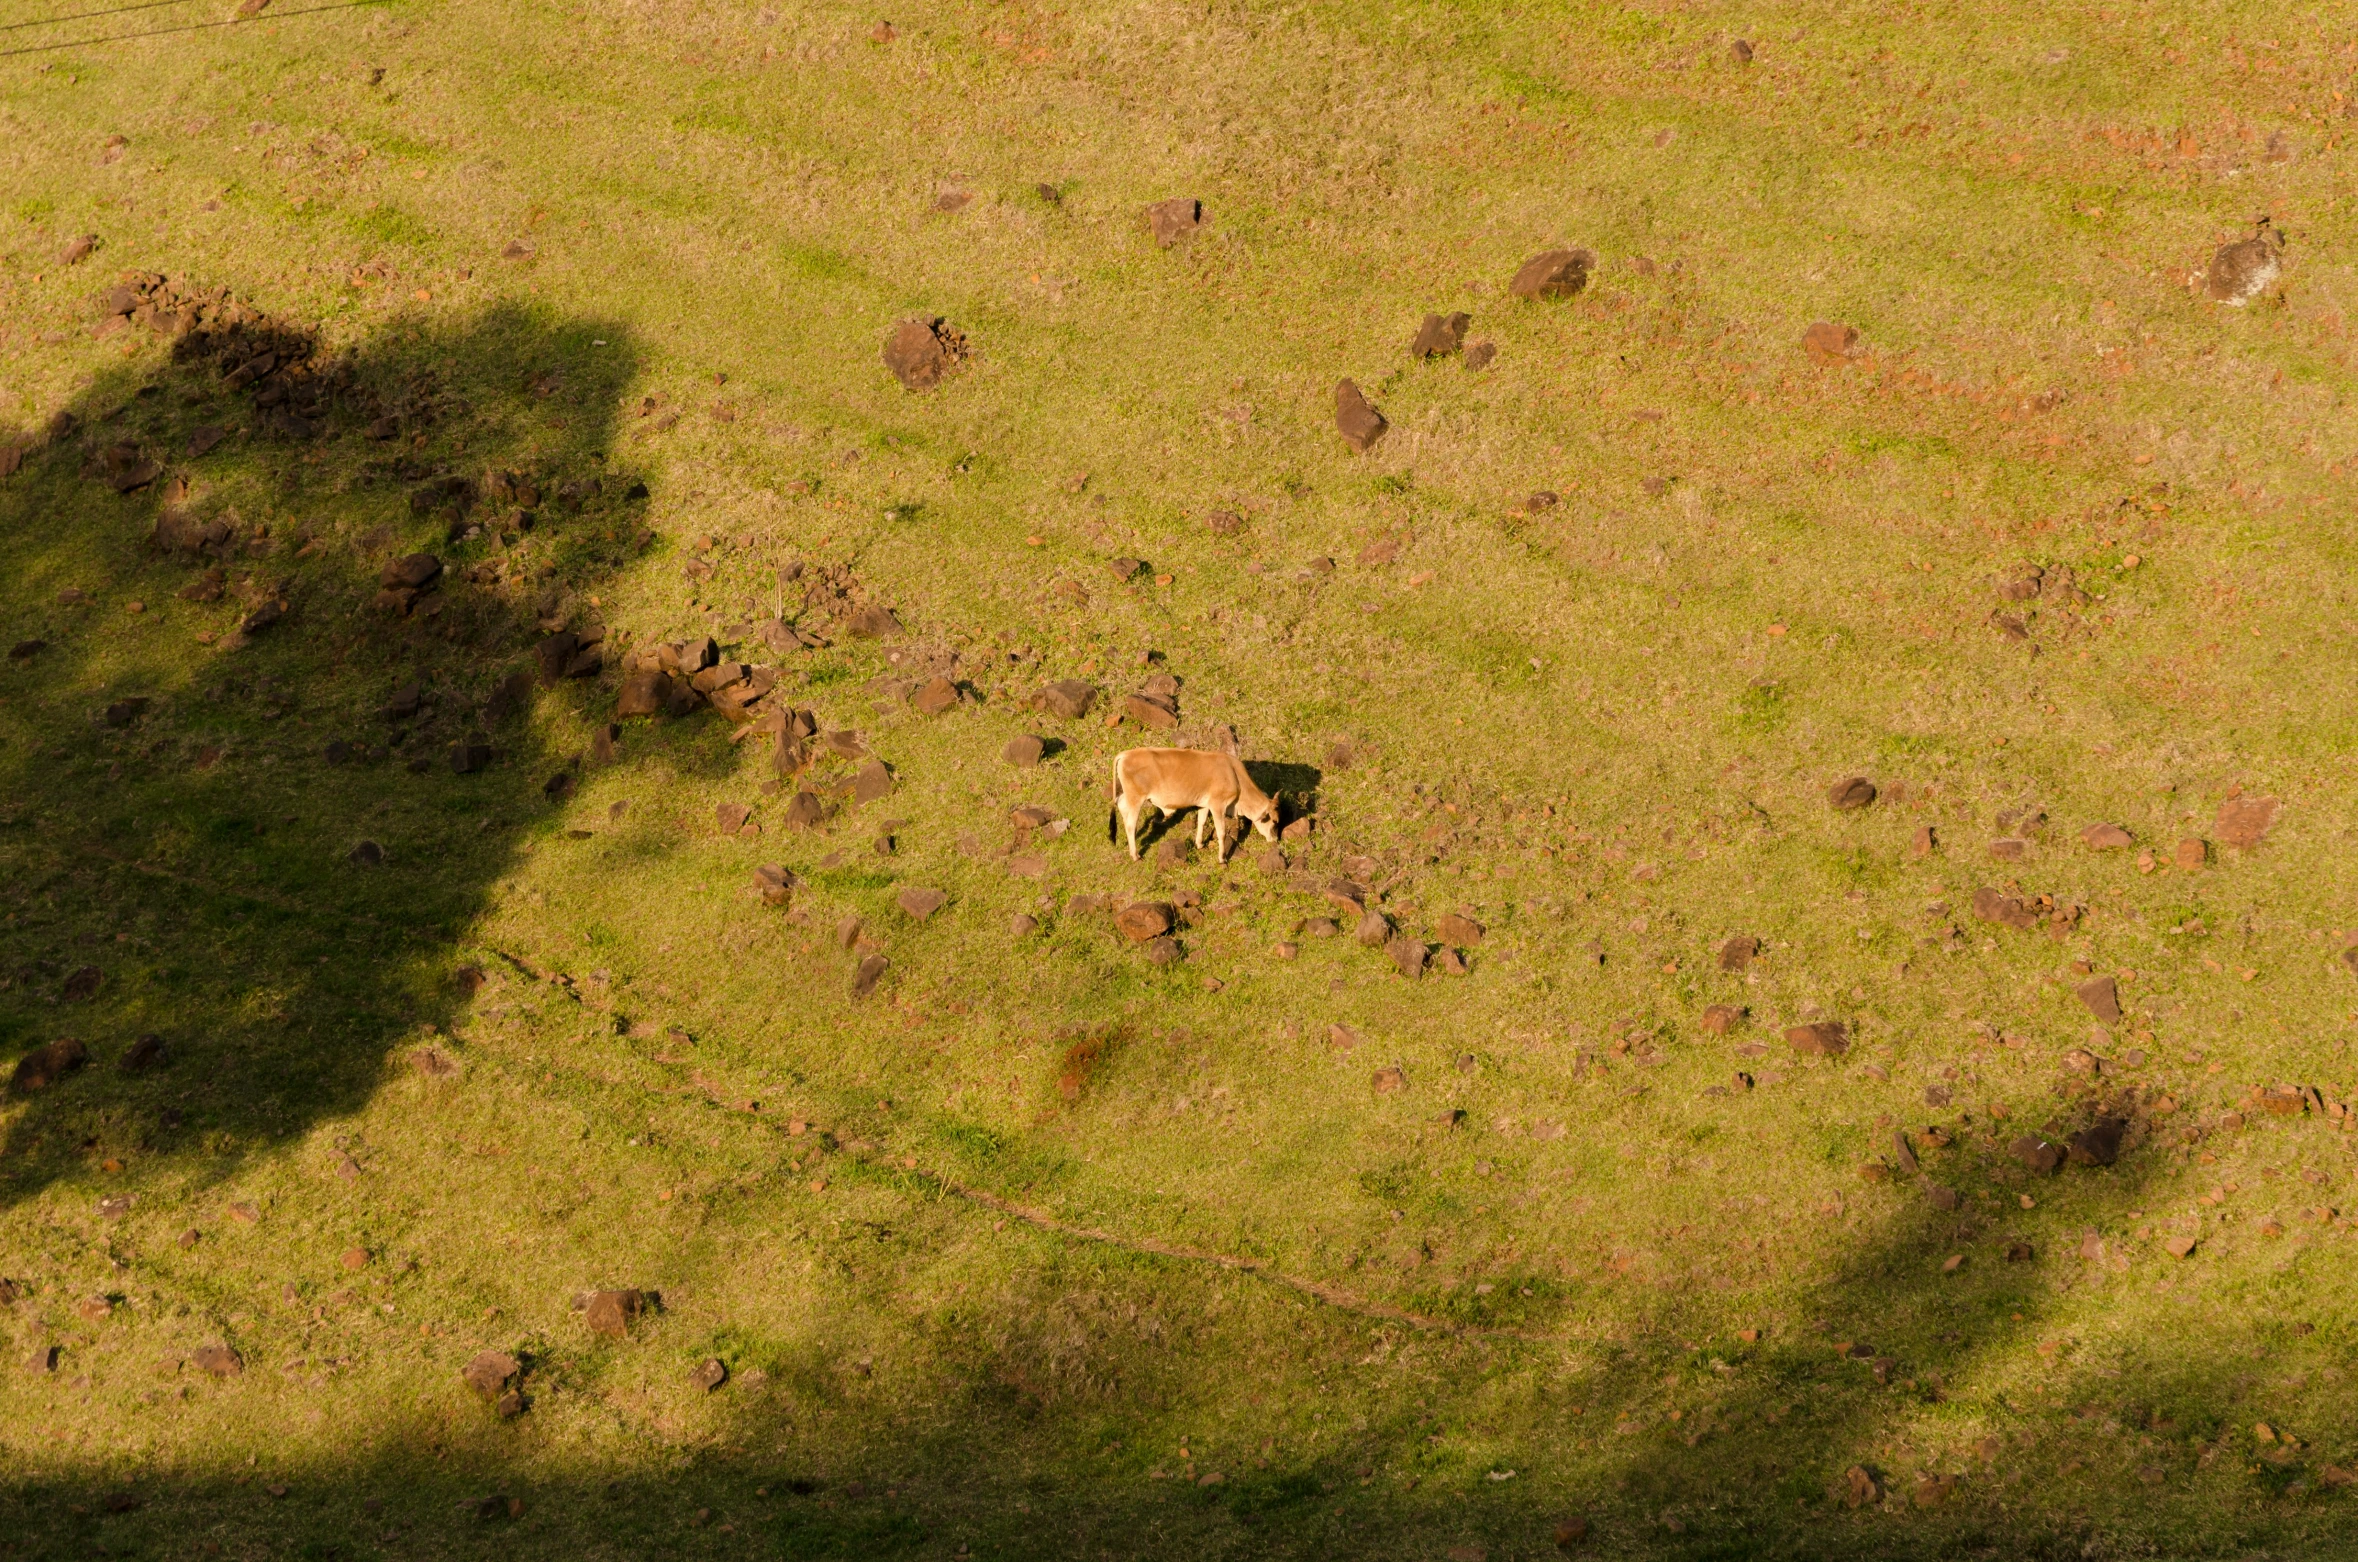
[[234, 729]]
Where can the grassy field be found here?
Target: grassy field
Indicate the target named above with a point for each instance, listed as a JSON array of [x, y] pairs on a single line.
[[1047, 1243]]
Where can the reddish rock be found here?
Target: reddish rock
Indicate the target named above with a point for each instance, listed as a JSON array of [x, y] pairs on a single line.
[[1462, 931], [1851, 792], [1390, 1081], [2192, 853], [645, 691], [1926, 841], [1721, 1018], [1024, 751], [804, 811], [1164, 951], [609, 1312], [1826, 1038], [1831, 345], [2098, 1144], [1440, 336], [1172, 220], [1360, 424], [490, 1372], [775, 883], [219, 1359], [873, 783], [934, 696], [1143, 920], [920, 903], [2106, 837], [1409, 955], [1555, 273], [1737, 952], [874, 621], [2036, 1153], [871, 972], [45, 1066], [920, 352], [2244, 821], [1069, 698], [2102, 996]]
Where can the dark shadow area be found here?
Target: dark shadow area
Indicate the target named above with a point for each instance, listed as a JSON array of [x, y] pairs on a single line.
[[274, 610]]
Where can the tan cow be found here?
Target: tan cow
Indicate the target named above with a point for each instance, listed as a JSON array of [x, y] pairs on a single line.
[[1215, 785]]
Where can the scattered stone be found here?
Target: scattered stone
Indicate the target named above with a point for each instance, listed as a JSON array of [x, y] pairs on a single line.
[[2242, 271], [1460, 930], [1942, 1197], [1069, 698], [1741, 51], [2081, 1061], [1721, 1018], [1903, 1152], [1390, 1081], [1023, 925], [920, 903], [774, 882], [1859, 1488], [218, 1359], [2009, 849], [1374, 930], [1738, 952], [45, 1066], [77, 249], [82, 985], [26, 650], [2098, 1144], [864, 980], [1023, 752], [1143, 920], [2243, 821], [1831, 345], [873, 783], [1478, 355], [1440, 336], [1326, 927], [1342, 1038], [114, 1206], [920, 352], [1851, 792], [1826, 1038], [1360, 424], [1992, 905], [1224, 523], [1172, 220], [2106, 837], [609, 1312], [1451, 962], [1555, 273], [1926, 841], [804, 811], [2035, 1152], [148, 1052], [2192, 854], [1154, 712], [729, 818], [934, 696], [710, 1374], [470, 755], [1164, 951], [490, 1372], [2182, 1245], [2102, 996], [1409, 955]]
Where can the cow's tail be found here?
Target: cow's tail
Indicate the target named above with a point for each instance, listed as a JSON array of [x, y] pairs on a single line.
[[1113, 815]]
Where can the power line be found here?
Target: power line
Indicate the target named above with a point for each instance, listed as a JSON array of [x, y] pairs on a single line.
[[83, 16], [190, 27]]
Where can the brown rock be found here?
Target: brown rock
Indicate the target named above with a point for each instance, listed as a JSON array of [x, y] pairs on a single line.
[[2106, 837], [1826, 1038], [2036, 1153], [82, 985], [774, 882], [1151, 711], [1450, 962], [1145, 919], [934, 696], [804, 811], [1164, 951], [2242, 271], [1069, 698], [1172, 220], [729, 818], [1737, 952], [1555, 273], [1342, 1038], [864, 980], [2192, 853], [1374, 929], [710, 1374], [1942, 1197], [2182, 1245], [1926, 842], [218, 1359], [1860, 1489], [1023, 925], [1903, 1152], [2102, 995], [2098, 1144], [874, 782], [2009, 849], [610, 1312], [45, 1066], [645, 691], [1851, 792], [1992, 905], [1390, 1081], [873, 621], [1024, 751], [1462, 931], [490, 1372], [1478, 355], [77, 249], [1347, 895], [470, 755], [1360, 424], [1440, 336], [920, 903], [1409, 955], [2243, 821], [414, 572], [148, 1052], [1721, 1018], [1830, 345], [920, 352]]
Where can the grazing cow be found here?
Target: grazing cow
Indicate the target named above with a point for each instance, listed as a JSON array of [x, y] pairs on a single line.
[[1175, 778]]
